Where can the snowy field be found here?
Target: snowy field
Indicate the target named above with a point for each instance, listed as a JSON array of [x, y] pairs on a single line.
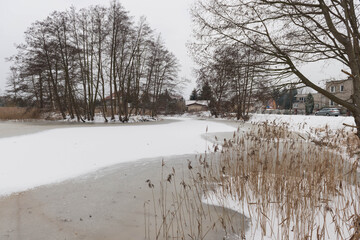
[[306, 126], [52, 156], [305, 123]]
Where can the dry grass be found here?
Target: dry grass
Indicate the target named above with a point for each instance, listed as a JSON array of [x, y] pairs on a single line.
[[289, 187], [17, 113]]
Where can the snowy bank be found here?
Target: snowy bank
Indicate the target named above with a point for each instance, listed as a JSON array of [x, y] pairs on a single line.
[[100, 119]]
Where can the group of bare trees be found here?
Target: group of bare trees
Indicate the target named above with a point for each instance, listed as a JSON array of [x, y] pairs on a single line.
[[288, 34], [235, 76], [79, 61]]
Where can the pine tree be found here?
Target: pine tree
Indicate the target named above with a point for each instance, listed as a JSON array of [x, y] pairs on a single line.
[[194, 95], [206, 93]]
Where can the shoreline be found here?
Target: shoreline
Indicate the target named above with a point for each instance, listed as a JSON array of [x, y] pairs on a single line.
[[11, 128], [19, 128]]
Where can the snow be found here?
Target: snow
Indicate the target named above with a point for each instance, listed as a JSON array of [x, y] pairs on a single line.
[[273, 224], [52, 156], [200, 102], [305, 123], [98, 118]]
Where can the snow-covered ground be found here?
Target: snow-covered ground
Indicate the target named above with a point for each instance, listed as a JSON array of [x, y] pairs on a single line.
[[55, 155], [305, 125], [333, 217]]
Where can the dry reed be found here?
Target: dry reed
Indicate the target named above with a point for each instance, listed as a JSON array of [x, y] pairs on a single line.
[[288, 186], [17, 113]]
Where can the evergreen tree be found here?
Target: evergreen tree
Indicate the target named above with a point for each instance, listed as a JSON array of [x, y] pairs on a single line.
[[194, 95], [309, 104], [206, 93], [285, 98]]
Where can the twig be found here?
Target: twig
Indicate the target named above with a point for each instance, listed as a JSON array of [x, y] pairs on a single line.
[[347, 73], [348, 125]]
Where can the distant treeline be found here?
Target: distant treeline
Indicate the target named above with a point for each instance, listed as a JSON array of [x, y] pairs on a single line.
[[78, 61]]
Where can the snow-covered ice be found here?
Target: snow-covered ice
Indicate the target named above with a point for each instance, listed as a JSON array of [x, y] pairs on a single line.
[[47, 157]]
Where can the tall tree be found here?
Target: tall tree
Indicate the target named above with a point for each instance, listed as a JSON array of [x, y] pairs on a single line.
[[229, 79], [78, 62], [289, 33]]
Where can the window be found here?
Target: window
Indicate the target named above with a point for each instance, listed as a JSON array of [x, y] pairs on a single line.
[[341, 88], [301, 99], [331, 103], [332, 89]]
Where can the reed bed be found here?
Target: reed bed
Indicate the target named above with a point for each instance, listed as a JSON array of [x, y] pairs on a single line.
[[176, 210], [17, 113], [287, 186]]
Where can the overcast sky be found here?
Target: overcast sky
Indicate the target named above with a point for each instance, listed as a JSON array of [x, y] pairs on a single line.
[[171, 18]]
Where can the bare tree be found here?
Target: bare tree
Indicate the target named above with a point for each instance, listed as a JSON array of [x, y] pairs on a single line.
[[290, 33], [95, 58], [234, 74]]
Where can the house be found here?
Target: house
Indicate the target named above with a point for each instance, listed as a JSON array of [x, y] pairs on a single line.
[[110, 98], [342, 89], [299, 103], [113, 98], [300, 98], [197, 105]]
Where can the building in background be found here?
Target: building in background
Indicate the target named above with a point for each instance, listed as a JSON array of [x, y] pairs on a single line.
[[197, 105], [342, 89]]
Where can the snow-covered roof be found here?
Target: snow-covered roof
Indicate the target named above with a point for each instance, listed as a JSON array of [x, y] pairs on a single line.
[[199, 102], [305, 91]]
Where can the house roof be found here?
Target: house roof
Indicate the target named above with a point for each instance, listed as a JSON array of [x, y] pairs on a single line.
[[305, 91], [338, 81], [198, 102]]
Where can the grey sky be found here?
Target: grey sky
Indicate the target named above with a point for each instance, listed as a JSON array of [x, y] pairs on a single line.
[[171, 18]]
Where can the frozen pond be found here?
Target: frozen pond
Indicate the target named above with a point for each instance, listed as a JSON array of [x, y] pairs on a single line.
[[51, 153]]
